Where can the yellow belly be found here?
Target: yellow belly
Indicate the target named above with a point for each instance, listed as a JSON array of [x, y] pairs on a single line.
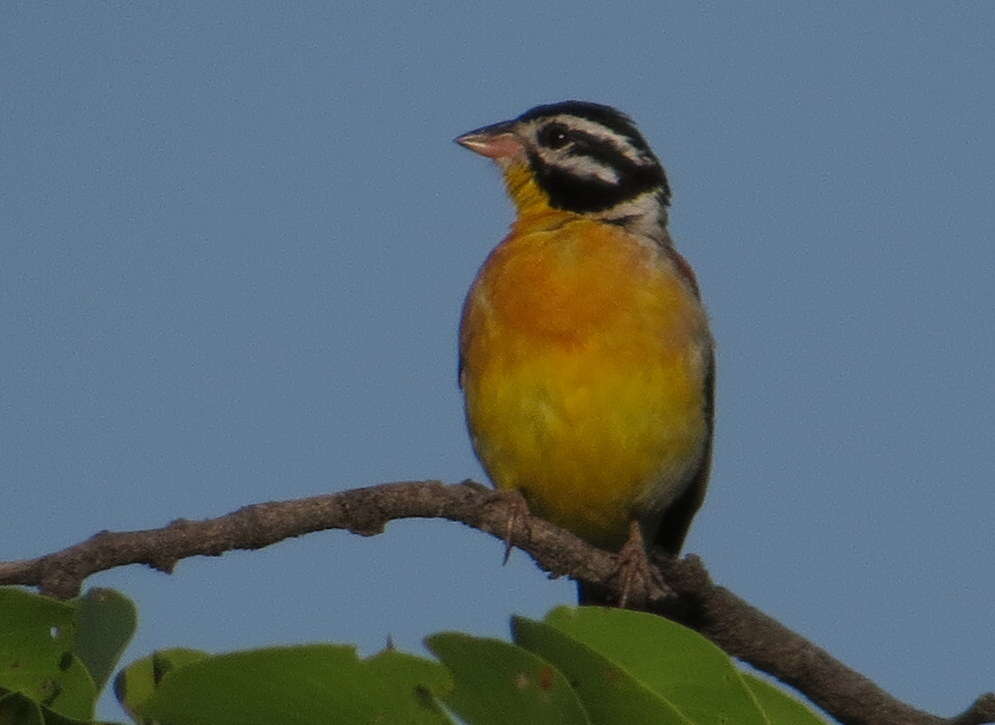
[[583, 363]]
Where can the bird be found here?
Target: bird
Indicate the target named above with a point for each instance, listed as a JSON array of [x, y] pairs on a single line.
[[585, 356]]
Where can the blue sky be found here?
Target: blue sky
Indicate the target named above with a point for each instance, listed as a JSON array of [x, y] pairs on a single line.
[[235, 240]]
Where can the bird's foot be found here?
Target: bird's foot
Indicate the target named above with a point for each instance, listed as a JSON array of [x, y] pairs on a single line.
[[513, 506], [636, 571], [518, 512]]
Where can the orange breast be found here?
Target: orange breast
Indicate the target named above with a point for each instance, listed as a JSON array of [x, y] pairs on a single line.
[[583, 362]]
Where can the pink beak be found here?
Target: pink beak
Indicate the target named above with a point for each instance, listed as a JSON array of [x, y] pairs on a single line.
[[495, 142]]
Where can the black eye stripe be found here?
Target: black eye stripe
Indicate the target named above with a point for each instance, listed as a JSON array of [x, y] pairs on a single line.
[[601, 150], [554, 135], [557, 135], [602, 115]]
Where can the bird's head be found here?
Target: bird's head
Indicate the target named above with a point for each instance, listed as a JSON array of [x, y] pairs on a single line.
[[579, 157]]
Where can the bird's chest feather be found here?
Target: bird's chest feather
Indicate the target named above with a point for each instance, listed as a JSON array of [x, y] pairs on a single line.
[[583, 356]]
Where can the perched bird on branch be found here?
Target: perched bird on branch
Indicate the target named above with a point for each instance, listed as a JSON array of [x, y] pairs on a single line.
[[585, 356]]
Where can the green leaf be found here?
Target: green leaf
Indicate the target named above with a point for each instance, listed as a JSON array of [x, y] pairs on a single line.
[[781, 707], [19, 709], [498, 683], [675, 662], [608, 692], [37, 643], [105, 622], [426, 679], [16, 708], [307, 685], [136, 683]]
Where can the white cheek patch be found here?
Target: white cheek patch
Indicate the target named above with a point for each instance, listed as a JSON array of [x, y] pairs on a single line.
[[582, 166]]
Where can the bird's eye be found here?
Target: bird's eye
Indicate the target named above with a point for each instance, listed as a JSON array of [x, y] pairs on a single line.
[[554, 136]]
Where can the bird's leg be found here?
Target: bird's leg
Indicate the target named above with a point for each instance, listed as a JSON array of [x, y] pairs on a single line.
[[634, 567], [518, 511]]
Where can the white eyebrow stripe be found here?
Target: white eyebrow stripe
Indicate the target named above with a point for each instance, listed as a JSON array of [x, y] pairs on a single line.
[[620, 142]]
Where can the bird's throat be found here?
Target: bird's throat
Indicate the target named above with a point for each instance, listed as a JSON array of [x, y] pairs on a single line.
[[520, 182]]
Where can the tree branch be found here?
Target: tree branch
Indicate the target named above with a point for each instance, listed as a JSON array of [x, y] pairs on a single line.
[[689, 595]]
